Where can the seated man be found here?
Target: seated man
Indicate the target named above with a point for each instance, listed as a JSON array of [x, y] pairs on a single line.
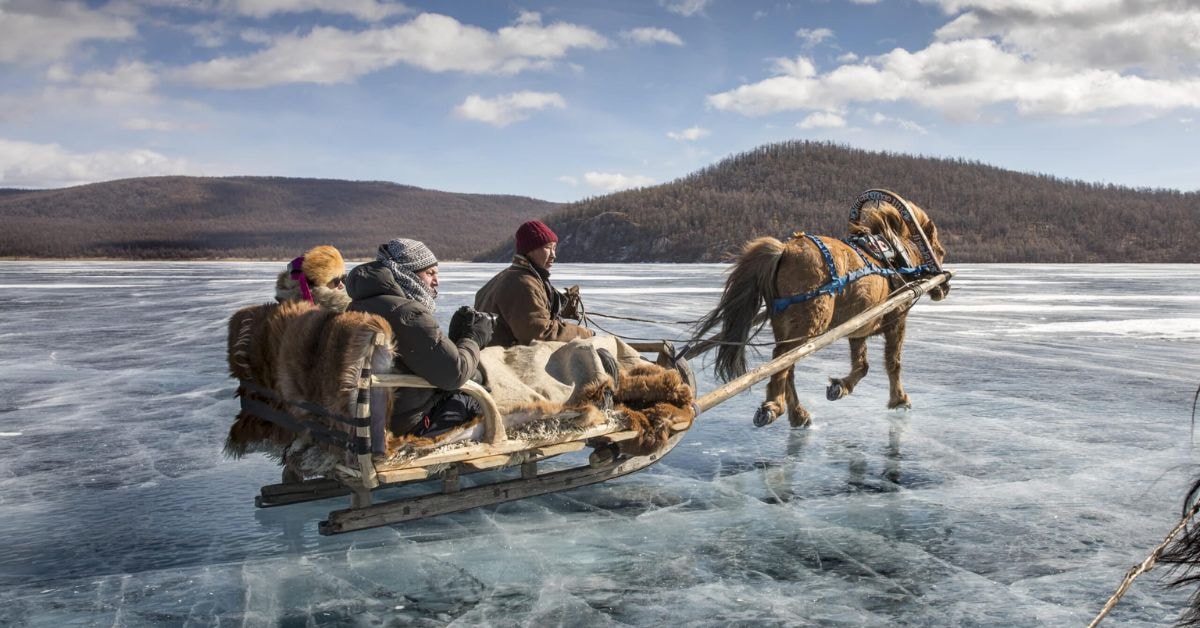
[[401, 285], [527, 305], [318, 277]]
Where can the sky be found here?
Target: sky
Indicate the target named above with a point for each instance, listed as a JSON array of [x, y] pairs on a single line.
[[572, 99]]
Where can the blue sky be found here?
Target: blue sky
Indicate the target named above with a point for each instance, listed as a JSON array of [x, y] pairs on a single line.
[[565, 100]]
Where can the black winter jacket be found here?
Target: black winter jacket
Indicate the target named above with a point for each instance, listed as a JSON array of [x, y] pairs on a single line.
[[421, 348]]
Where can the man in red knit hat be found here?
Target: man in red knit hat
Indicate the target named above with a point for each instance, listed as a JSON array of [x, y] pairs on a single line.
[[527, 306]]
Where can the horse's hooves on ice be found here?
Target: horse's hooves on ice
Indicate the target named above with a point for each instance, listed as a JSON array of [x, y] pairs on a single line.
[[902, 405], [835, 391], [764, 417]]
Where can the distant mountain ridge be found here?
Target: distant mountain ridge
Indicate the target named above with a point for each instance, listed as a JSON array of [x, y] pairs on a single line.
[[984, 213], [179, 217]]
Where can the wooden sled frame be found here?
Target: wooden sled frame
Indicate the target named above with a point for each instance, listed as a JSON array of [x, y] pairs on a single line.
[[361, 475]]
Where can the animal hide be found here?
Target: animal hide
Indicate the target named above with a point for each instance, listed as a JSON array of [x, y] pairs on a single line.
[[302, 353]]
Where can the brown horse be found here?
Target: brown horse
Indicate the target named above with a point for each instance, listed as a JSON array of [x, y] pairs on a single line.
[[769, 270]]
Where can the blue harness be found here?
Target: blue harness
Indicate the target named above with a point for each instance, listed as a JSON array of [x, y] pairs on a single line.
[[837, 285]]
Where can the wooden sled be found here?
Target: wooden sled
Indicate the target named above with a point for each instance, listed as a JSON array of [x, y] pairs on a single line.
[[611, 456], [361, 474]]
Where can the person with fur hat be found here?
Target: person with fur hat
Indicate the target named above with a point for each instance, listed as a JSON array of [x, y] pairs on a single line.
[[401, 285], [318, 277], [526, 304]]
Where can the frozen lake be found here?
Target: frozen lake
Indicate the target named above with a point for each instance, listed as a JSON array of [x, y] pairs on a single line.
[[1047, 451]]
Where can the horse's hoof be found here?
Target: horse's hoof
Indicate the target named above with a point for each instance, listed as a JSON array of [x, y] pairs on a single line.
[[764, 417], [835, 391], [903, 404]]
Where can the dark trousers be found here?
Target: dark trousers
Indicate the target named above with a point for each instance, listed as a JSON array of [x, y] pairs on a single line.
[[453, 409]]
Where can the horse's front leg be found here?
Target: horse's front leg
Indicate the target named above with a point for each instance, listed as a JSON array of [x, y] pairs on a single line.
[[893, 341], [839, 388]]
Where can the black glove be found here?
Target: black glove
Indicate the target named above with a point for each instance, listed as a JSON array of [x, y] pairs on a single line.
[[469, 323]]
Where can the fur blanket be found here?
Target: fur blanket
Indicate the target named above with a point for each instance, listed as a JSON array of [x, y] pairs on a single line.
[[547, 392], [300, 352]]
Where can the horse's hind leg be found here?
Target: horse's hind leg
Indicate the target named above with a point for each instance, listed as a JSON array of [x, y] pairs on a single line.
[[839, 388], [798, 416], [893, 341], [781, 393]]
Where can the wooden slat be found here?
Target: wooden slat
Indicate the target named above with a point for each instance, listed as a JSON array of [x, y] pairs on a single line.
[[490, 462], [483, 450], [401, 475], [616, 437], [560, 448]]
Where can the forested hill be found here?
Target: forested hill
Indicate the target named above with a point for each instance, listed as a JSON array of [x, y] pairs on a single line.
[[985, 214], [255, 217]]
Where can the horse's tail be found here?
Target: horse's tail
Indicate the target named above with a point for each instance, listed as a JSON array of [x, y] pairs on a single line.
[[750, 284]]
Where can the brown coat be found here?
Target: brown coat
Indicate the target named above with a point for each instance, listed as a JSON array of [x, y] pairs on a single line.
[[527, 307], [421, 348]]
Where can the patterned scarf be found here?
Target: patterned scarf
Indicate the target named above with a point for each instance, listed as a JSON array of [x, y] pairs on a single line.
[[405, 258]]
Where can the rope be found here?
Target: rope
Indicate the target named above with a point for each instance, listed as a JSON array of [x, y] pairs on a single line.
[[1144, 566]]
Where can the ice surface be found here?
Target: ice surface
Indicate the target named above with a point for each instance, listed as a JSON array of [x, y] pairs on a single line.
[[1047, 451]]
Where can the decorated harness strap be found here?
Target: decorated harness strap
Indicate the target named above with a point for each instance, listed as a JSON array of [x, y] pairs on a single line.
[[837, 284], [916, 234]]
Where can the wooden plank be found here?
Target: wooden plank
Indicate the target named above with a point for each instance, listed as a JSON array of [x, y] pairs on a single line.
[[408, 509], [307, 486], [401, 475], [483, 450], [490, 462], [560, 448], [270, 501], [786, 360]]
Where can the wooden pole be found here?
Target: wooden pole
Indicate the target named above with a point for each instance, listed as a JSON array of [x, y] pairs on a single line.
[[786, 360]]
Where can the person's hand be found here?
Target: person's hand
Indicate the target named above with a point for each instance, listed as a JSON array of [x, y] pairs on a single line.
[[572, 303], [467, 322]]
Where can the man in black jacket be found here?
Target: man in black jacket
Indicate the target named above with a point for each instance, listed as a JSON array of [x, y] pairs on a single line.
[[401, 285]]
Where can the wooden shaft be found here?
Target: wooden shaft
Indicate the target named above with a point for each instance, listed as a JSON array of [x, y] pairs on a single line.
[[786, 360]]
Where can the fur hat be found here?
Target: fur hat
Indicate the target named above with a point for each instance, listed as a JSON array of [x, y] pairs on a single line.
[[322, 264], [532, 235]]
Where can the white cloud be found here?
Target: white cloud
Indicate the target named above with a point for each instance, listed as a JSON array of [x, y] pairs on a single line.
[[613, 182], [568, 179], [29, 165], [128, 83], [822, 120], [647, 35], [45, 31], [1151, 38], [814, 36], [959, 79], [138, 123], [365, 10], [1051, 57], [878, 119], [430, 41], [686, 8], [504, 110], [689, 135]]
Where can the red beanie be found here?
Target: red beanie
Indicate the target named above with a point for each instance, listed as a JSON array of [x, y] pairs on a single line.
[[532, 235]]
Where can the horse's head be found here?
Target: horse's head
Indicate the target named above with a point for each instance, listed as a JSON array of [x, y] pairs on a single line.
[[882, 218]]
